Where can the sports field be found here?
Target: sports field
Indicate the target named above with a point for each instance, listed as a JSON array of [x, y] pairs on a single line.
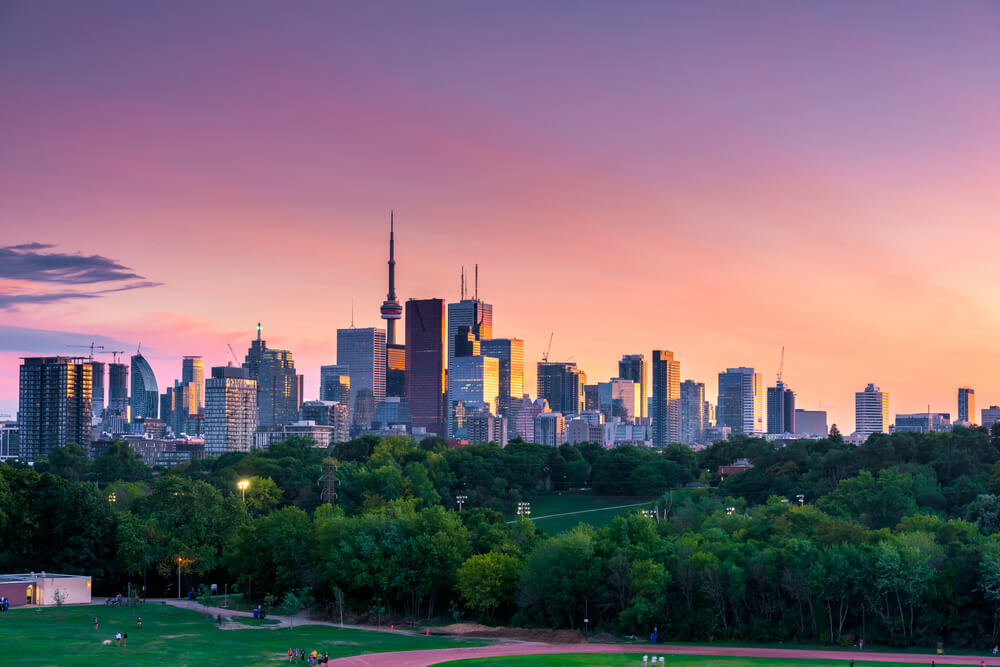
[[635, 660], [170, 636], [556, 513]]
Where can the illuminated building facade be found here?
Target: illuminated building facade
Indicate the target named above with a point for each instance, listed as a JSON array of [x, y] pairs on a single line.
[[335, 384], [473, 383], [363, 352], [633, 367], [741, 404], [279, 388], [666, 413], [54, 407], [510, 353], [967, 405], [230, 411]]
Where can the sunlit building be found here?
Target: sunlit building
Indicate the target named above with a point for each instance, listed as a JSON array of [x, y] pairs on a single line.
[[473, 382], [871, 411], [666, 414], [692, 411], [54, 405], [471, 313], [510, 353], [193, 373], [335, 384], [230, 411], [363, 352], [741, 401], [967, 405], [633, 367], [562, 385], [279, 388], [618, 398]]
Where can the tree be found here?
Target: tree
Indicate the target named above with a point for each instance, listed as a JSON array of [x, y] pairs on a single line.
[[557, 578], [488, 581]]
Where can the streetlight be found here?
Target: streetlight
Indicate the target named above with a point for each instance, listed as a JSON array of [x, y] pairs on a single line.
[[242, 486], [802, 499], [461, 500], [179, 561], [649, 514], [524, 509], [730, 510], [112, 497]]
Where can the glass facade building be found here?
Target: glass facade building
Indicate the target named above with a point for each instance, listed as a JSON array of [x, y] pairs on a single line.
[[193, 371], [562, 385], [741, 404], [473, 384], [334, 384], [471, 313], [118, 388], [363, 352], [633, 367], [510, 353], [692, 412], [425, 363], [145, 399], [230, 411], [967, 405], [54, 406], [279, 388], [780, 409], [666, 401]]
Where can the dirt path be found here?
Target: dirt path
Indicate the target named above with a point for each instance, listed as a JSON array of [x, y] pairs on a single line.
[[434, 656]]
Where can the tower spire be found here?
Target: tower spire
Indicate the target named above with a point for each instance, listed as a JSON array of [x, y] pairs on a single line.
[[391, 310]]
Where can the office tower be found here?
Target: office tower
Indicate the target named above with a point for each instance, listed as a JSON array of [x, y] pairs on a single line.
[[510, 353], [185, 412], [523, 415], [741, 404], [780, 409], [279, 388], [871, 411], [335, 384], [550, 429], [9, 446], [471, 313], [562, 385], [145, 399], [592, 398], [692, 411], [481, 426], [54, 405], [193, 371], [633, 367], [473, 385], [709, 418], [618, 398], [328, 413], [395, 370], [922, 422], [467, 344], [118, 388], [97, 372], [967, 405], [393, 413], [991, 416], [425, 361], [167, 406], [363, 352], [811, 423], [666, 398], [230, 410]]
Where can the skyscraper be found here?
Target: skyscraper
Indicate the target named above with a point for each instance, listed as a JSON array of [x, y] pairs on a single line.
[[230, 410], [425, 361], [118, 388], [471, 313], [510, 353], [780, 409], [871, 411], [618, 398], [363, 352], [562, 385], [473, 385], [967, 404], [335, 384], [395, 370], [741, 404], [692, 411], [145, 399], [193, 371], [97, 372], [633, 367], [54, 407], [666, 398], [279, 388], [391, 310]]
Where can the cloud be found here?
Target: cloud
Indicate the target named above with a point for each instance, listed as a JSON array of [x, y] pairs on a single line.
[[25, 263], [24, 340]]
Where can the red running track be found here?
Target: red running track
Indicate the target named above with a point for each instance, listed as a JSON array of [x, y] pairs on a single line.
[[434, 656]]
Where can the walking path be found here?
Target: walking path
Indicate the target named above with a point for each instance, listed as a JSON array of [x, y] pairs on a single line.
[[596, 509]]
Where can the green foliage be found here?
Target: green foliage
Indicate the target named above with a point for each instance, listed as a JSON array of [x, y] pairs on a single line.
[[488, 581]]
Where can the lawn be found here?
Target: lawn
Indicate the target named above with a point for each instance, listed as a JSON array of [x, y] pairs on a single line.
[[581, 507], [635, 660], [171, 636]]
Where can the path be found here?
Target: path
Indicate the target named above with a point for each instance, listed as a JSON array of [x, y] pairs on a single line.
[[596, 509], [434, 656]]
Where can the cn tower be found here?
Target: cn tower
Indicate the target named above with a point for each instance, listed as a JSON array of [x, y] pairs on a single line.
[[391, 310]]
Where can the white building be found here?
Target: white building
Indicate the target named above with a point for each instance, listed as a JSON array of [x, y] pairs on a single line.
[[230, 411], [871, 411]]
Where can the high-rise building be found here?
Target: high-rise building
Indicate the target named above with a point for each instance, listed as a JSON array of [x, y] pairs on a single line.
[[922, 422], [328, 413], [967, 405], [471, 313], [335, 384], [666, 398], [523, 415], [482, 426], [618, 398], [145, 399], [118, 388], [741, 401], [562, 385], [54, 406], [395, 370], [363, 352], [633, 367], [811, 422], [692, 411], [871, 411], [97, 370], [279, 388], [193, 371], [473, 385], [780, 409], [230, 410], [425, 361], [991, 416], [510, 353], [550, 429]]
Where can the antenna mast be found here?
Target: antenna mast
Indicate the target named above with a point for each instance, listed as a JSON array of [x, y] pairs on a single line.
[[781, 364]]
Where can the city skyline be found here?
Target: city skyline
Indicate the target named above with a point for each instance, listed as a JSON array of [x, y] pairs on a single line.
[[855, 196]]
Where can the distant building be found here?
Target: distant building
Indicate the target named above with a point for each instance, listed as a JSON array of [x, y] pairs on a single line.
[[145, 399], [991, 416], [97, 402], [523, 413], [41, 589], [737, 466], [54, 406], [666, 413], [714, 434], [118, 389], [633, 367], [692, 411], [871, 411], [482, 426], [328, 413], [473, 384], [425, 361], [395, 370], [474, 314], [510, 354], [619, 398], [967, 405], [922, 422], [562, 385], [335, 384], [279, 388], [9, 447], [592, 397], [581, 430], [741, 405], [230, 411], [780, 409], [811, 422], [193, 374], [363, 352], [550, 429], [393, 411]]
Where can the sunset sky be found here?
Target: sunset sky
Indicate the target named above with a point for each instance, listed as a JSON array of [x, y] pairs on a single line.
[[714, 178]]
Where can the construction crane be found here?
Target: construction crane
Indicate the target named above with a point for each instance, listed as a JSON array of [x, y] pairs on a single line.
[[545, 357], [114, 353], [781, 364], [229, 345], [93, 346]]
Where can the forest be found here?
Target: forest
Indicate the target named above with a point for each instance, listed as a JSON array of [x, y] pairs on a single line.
[[895, 540]]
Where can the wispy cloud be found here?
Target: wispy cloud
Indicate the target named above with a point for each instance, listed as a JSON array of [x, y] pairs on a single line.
[[30, 263]]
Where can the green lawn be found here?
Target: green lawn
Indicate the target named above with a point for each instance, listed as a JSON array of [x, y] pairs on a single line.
[[635, 660], [593, 509], [171, 636]]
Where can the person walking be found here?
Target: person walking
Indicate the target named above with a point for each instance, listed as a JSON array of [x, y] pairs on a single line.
[[289, 655], [138, 623], [95, 622], [861, 644], [124, 638], [118, 639]]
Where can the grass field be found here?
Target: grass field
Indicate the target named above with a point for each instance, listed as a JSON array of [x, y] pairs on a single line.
[[171, 636], [635, 660], [580, 507]]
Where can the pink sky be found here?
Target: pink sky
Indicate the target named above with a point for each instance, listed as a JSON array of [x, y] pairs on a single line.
[[717, 179]]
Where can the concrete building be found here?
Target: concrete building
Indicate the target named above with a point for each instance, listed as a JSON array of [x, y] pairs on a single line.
[[811, 422], [482, 426], [666, 413], [550, 429], [741, 401], [633, 367], [922, 422], [45, 589], [145, 399], [871, 411], [991, 416], [425, 360], [967, 405], [780, 409], [523, 413], [692, 411], [230, 411], [9, 446], [562, 385], [328, 413], [54, 405], [118, 389], [363, 352], [510, 353]]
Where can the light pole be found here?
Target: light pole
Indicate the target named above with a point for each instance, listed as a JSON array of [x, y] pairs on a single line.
[[179, 561], [802, 499], [524, 509], [461, 498], [242, 486]]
